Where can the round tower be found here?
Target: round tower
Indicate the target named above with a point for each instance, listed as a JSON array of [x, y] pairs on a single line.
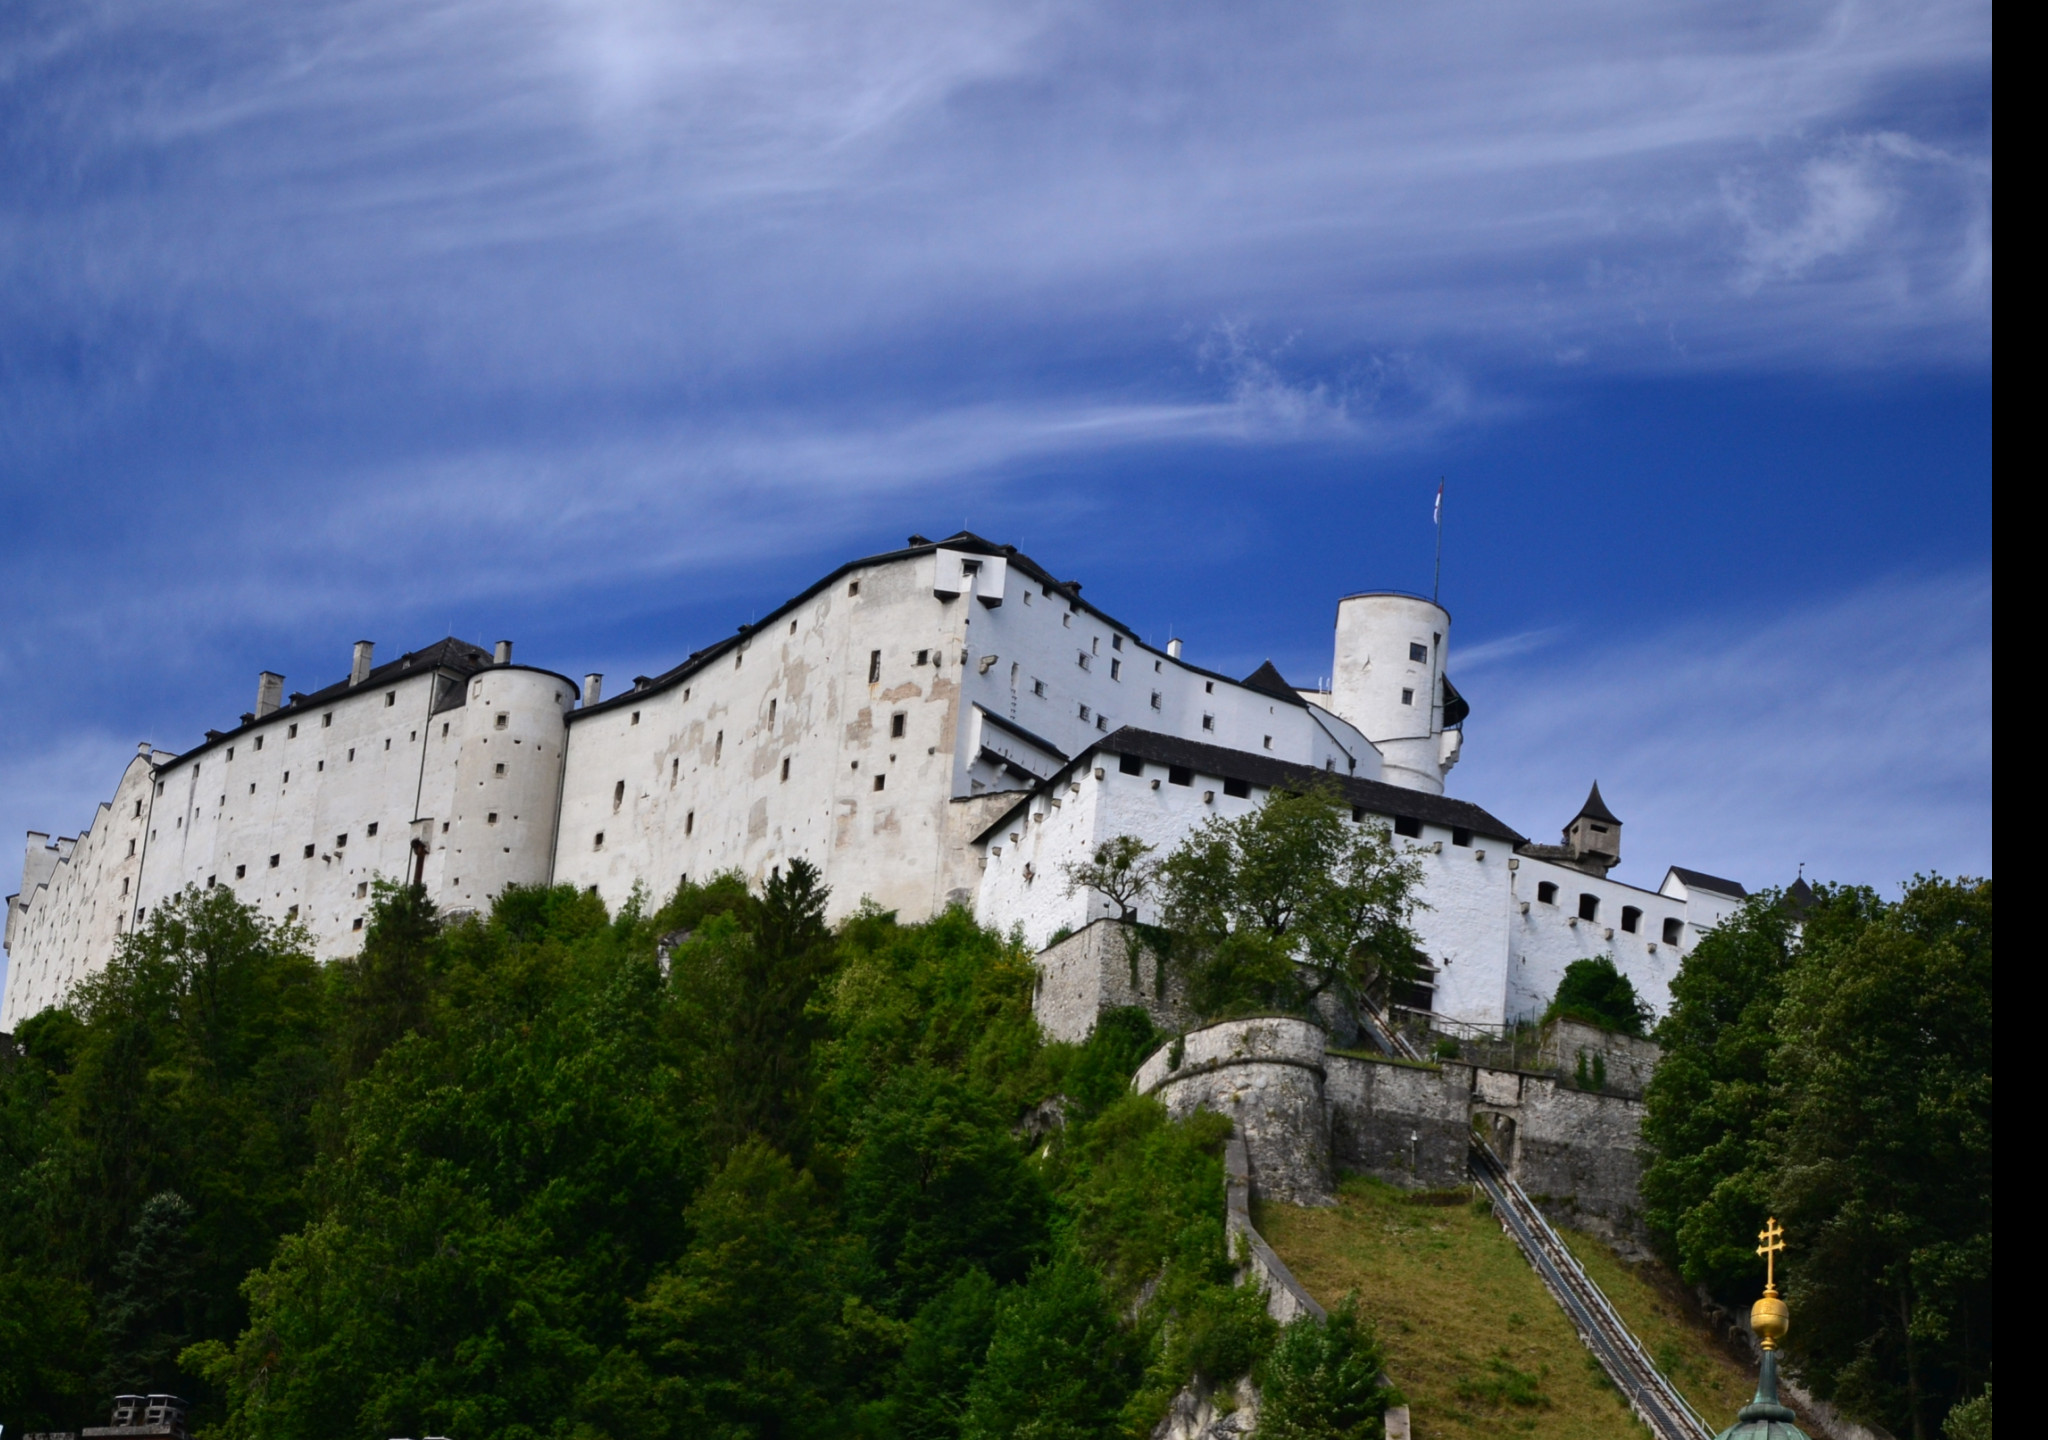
[[1388, 680]]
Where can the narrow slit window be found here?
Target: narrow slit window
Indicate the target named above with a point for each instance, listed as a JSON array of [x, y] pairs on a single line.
[[618, 796], [897, 722], [874, 667], [785, 769]]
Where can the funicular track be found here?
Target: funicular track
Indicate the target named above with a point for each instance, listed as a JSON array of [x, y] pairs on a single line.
[[1654, 1399]]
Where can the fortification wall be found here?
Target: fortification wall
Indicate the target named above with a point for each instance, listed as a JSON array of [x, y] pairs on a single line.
[[1267, 1075], [1406, 1124], [1103, 966]]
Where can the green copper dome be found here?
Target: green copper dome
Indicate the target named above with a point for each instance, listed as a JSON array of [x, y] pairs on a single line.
[[1764, 1418]]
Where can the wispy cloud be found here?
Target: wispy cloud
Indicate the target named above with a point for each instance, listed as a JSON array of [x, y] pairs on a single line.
[[1853, 736]]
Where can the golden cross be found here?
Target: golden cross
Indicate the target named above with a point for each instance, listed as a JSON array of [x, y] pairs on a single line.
[[1773, 1236]]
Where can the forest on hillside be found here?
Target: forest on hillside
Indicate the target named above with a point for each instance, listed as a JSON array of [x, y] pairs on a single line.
[[715, 1168]]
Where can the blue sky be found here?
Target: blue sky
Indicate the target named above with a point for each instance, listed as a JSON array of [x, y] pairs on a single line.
[[605, 325]]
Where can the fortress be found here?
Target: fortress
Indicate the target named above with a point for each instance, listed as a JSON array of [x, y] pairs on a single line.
[[945, 724]]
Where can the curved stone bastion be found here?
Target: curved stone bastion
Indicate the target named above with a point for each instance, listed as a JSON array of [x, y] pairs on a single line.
[[1266, 1073]]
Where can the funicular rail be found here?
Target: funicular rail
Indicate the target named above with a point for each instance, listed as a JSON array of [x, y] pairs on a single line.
[[1653, 1398]]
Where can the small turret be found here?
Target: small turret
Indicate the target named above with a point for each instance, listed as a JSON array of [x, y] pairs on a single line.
[[1593, 838]]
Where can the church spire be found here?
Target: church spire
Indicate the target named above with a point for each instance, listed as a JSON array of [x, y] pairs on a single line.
[[1764, 1418]]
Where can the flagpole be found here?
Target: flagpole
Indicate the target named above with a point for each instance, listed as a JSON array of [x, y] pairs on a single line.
[[1437, 582]]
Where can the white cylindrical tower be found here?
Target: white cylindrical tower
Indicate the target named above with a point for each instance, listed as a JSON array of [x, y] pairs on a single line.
[[1387, 679]]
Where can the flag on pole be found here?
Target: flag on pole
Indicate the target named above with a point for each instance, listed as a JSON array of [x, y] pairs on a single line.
[[1436, 515]]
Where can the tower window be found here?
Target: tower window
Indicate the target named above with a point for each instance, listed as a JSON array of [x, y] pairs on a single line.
[[1407, 697], [1460, 836], [718, 747], [924, 657], [1418, 653], [618, 796], [1269, 741], [1589, 907], [1674, 930], [874, 667], [1546, 893], [341, 842], [1631, 919], [1409, 826], [1208, 687], [896, 724]]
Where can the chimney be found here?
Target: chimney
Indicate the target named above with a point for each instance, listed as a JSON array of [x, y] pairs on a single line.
[[504, 653], [269, 693], [593, 688], [1173, 648], [359, 671]]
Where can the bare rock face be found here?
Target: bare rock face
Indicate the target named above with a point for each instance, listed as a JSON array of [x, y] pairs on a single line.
[[1195, 1414]]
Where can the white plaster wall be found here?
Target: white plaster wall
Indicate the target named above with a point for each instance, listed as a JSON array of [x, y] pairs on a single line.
[[1371, 667], [694, 803], [1463, 922], [1704, 909], [1547, 938], [354, 778], [74, 899]]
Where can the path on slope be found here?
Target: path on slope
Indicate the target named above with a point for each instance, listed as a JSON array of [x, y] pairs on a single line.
[[1473, 1338]]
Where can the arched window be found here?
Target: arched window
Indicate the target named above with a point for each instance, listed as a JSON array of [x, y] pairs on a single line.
[[1546, 892], [1631, 918], [1674, 930], [1589, 907]]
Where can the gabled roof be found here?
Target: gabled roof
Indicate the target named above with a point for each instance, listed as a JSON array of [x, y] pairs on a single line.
[[1266, 680], [1700, 880], [1596, 809], [1374, 796]]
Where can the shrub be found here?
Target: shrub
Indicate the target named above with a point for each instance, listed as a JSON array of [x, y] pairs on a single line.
[[1325, 1381]]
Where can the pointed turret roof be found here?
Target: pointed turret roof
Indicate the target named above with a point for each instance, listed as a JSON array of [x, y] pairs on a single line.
[[1268, 681], [1595, 808]]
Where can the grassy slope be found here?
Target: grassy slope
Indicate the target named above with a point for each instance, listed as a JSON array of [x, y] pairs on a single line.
[[1472, 1336]]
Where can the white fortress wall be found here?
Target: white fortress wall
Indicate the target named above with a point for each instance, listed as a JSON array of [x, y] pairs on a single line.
[[1547, 935], [76, 896]]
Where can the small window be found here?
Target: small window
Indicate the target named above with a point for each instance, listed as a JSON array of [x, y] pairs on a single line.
[[387, 744], [209, 882], [718, 747], [1067, 619], [287, 777], [242, 871], [1083, 660], [785, 768], [231, 752], [1418, 653], [1116, 669], [319, 766], [1116, 642], [792, 627], [492, 818], [853, 587], [371, 829], [341, 842], [1674, 930], [896, 724], [1208, 687], [739, 659], [309, 852], [1407, 697], [675, 768], [881, 781], [924, 657], [1095, 645], [1179, 775], [1237, 789], [618, 796], [771, 714], [874, 667], [444, 729], [1409, 826], [1460, 836], [1546, 892], [1631, 918], [597, 843], [634, 721], [252, 790], [690, 822], [1156, 702], [1208, 722], [1038, 688], [1357, 814], [1086, 713], [1102, 722], [1589, 907], [291, 731], [390, 698], [1129, 765], [359, 923], [259, 746], [1269, 741], [292, 913], [498, 770], [327, 720]]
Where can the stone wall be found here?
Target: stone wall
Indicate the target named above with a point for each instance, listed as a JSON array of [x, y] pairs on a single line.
[[1091, 971], [1267, 1075], [1406, 1124], [1628, 1061]]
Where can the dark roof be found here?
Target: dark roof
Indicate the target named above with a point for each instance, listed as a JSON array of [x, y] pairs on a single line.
[[1267, 681], [1595, 808], [1456, 706], [457, 658], [1263, 770], [1700, 880], [1799, 898], [965, 540]]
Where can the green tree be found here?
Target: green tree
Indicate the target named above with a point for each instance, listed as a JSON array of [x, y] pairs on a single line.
[[1276, 907], [948, 1341], [1884, 1171], [1121, 870], [1325, 1380], [1594, 992], [149, 1316], [1059, 1366], [383, 992]]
